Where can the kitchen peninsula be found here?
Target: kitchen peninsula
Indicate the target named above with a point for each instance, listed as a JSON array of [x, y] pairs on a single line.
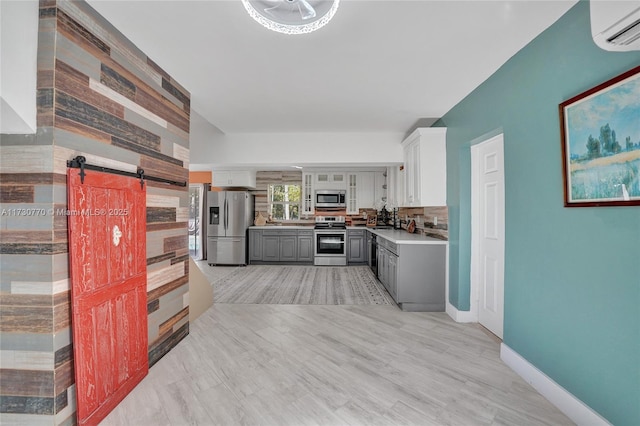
[[411, 267]]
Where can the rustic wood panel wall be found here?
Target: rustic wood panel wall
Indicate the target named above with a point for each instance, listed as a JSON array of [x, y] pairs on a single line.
[[264, 178], [101, 97]]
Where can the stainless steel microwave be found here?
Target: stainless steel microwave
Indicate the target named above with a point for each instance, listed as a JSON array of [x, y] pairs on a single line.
[[331, 198]]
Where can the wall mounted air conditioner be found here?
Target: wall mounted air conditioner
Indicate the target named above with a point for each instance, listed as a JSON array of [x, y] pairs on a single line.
[[615, 25]]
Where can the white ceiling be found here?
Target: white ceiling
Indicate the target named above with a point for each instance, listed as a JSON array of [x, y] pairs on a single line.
[[378, 66]]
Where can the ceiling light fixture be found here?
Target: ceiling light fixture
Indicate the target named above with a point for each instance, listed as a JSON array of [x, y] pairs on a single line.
[[292, 16]]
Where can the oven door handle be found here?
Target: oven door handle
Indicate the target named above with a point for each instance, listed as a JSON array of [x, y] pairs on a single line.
[[336, 242]]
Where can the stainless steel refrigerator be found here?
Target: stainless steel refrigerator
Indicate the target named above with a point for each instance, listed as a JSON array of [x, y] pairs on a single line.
[[229, 215]]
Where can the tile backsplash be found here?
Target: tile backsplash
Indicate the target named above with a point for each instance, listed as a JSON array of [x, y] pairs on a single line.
[[430, 221]]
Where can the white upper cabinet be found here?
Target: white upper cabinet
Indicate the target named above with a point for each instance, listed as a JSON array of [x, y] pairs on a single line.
[[352, 193], [380, 189], [395, 187], [366, 195], [307, 194], [234, 178], [364, 189], [360, 191], [425, 167], [330, 180]]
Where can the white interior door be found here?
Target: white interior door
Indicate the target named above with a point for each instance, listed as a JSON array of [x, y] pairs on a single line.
[[487, 233]]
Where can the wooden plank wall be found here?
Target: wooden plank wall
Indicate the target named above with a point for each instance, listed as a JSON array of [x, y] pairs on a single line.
[[264, 179], [101, 97]]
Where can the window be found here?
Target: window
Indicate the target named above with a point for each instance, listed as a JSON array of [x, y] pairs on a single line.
[[284, 201]]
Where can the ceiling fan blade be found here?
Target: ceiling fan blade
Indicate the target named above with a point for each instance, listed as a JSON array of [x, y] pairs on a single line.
[[309, 12], [269, 9]]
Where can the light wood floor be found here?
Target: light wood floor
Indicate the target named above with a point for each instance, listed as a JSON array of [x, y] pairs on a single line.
[[301, 285], [332, 365]]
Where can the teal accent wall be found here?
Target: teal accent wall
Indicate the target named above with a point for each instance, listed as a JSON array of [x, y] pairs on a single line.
[[572, 275]]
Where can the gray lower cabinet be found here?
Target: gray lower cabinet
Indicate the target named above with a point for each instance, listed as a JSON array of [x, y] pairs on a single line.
[[356, 246], [413, 274], [305, 246], [280, 245], [255, 245], [388, 271], [288, 248], [392, 274], [270, 248]]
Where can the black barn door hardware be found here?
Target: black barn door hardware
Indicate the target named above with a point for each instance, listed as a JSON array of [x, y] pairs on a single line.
[[80, 162]]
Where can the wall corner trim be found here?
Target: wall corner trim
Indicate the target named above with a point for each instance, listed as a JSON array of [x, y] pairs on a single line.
[[460, 316], [565, 401]]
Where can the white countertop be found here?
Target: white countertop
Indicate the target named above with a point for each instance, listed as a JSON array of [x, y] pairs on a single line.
[[400, 236], [397, 236], [292, 227]]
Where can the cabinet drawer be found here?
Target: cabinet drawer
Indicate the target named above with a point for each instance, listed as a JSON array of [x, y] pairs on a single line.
[[356, 232], [305, 232], [280, 232], [392, 247]]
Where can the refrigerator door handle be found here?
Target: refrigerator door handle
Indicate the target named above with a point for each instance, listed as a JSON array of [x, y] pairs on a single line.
[[226, 214]]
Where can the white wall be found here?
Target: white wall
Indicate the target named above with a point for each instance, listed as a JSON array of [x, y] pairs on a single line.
[[201, 135], [18, 65], [212, 149]]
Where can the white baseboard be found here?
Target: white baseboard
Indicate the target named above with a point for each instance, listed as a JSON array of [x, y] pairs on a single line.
[[566, 402], [460, 316]]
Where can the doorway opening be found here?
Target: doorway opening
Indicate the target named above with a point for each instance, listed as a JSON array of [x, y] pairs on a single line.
[[196, 220]]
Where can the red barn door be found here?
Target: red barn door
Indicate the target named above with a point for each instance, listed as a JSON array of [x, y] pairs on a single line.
[[107, 251]]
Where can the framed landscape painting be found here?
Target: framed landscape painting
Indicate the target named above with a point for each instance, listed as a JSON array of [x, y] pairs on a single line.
[[601, 144]]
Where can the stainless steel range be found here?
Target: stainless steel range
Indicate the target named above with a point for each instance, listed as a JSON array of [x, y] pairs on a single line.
[[330, 235]]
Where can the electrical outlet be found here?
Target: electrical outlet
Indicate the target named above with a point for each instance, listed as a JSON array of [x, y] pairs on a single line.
[[435, 221]]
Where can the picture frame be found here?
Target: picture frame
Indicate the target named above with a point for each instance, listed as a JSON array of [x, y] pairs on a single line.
[[600, 136]]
